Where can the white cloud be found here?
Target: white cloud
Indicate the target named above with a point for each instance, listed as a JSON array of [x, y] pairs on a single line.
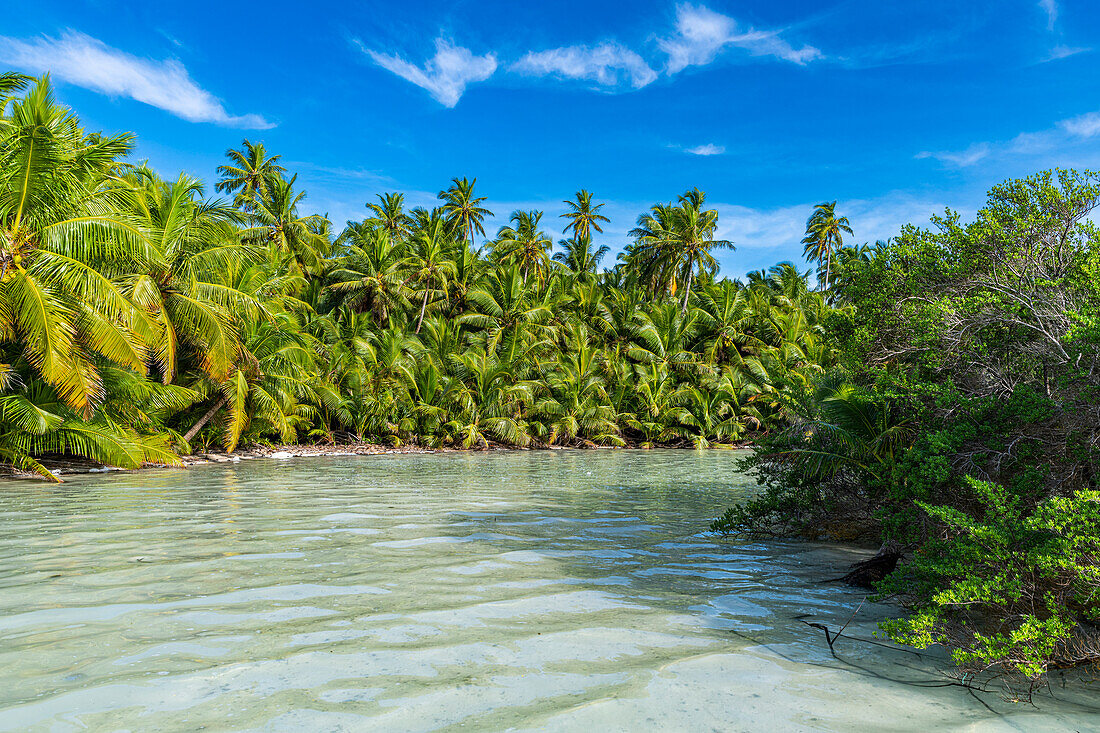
[[1031, 143], [607, 64], [79, 59], [1050, 7], [708, 149], [445, 75], [960, 159], [1064, 52], [1087, 125], [701, 34]]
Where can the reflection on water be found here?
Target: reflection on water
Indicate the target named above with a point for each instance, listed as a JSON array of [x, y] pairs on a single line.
[[528, 591]]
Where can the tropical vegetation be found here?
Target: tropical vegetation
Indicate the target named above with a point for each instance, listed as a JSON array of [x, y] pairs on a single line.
[[145, 318], [959, 429], [935, 393]]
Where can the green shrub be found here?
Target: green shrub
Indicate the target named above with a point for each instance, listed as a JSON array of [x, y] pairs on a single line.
[[1012, 591]]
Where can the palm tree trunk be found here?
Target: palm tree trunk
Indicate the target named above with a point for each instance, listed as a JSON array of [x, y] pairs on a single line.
[[687, 289], [205, 419], [423, 307], [828, 267]]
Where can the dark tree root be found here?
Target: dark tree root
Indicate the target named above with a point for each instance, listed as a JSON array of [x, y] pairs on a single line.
[[866, 573]]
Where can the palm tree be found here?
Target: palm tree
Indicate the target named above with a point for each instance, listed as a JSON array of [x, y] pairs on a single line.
[[584, 217], [824, 236], [506, 311], [429, 265], [853, 431], [389, 214], [648, 259], [524, 244], [370, 277], [655, 398], [441, 339], [77, 341], [278, 370], [579, 257], [249, 173], [276, 221], [184, 291], [61, 230], [709, 413], [694, 239], [664, 336], [431, 391], [10, 83], [463, 210], [726, 321], [487, 400], [675, 241], [575, 404], [468, 270], [33, 422]]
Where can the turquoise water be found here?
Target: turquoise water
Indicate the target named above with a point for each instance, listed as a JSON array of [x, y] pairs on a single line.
[[486, 591]]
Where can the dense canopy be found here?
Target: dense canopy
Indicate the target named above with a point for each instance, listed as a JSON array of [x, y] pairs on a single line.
[[144, 318]]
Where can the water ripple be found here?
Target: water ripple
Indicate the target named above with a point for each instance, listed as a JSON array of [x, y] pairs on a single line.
[[533, 591]]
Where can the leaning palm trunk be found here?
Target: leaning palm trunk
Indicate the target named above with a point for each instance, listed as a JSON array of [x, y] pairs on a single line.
[[205, 419], [423, 307]]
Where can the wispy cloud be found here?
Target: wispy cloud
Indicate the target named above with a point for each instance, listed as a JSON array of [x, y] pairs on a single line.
[[701, 34], [607, 64], [960, 159], [708, 149], [1082, 126], [336, 172], [1060, 137], [79, 59], [446, 75], [1050, 7], [1064, 52]]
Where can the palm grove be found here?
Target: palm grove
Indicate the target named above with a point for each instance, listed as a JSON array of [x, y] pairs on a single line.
[[144, 319], [937, 393]]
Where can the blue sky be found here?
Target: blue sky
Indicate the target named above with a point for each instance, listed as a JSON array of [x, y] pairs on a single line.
[[895, 109]]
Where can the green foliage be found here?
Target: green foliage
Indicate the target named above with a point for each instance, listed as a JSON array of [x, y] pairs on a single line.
[[961, 425], [133, 307], [1005, 587]]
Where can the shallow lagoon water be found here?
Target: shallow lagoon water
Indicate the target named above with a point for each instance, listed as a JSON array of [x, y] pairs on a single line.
[[551, 590]]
